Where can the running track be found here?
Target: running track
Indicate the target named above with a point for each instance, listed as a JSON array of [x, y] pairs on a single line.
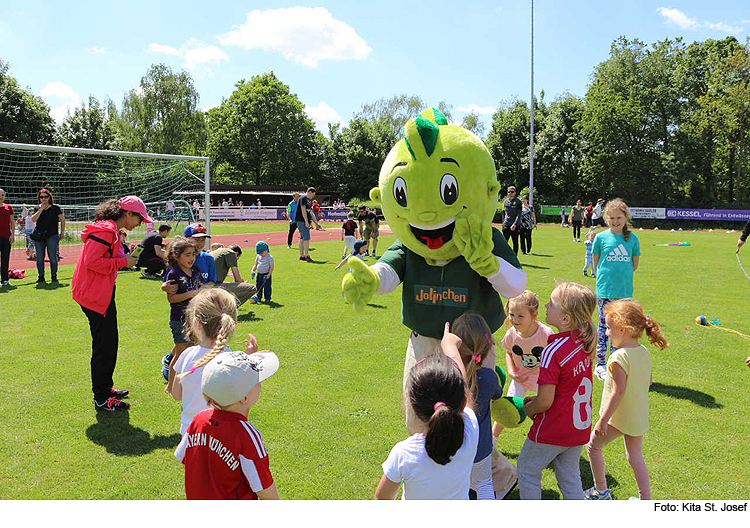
[[70, 253]]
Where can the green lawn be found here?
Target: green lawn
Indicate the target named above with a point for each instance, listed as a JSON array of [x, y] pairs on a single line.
[[333, 411]]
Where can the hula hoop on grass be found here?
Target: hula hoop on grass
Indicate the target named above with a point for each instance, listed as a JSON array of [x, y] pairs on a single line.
[[741, 266]]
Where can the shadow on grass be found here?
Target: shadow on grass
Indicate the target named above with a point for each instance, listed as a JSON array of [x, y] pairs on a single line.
[[274, 304], [532, 266], [249, 316], [50, 286], [114, 432], [542, 255], [683, 393]]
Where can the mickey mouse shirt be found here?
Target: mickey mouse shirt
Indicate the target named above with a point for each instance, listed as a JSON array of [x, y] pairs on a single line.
[[525, 352]]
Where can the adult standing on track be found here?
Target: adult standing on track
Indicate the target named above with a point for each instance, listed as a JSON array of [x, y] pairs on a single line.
[[576, 220], [291, 214], [304, 220], [512, 217], [47, 218], [7, 235], [94, 289]]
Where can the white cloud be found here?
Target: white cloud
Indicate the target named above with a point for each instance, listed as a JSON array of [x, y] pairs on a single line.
[[307, 35], [61, 98], [204, 110], [726, 28], [323, 114], [476, 109], [97, 50], [681, 20], [194, 54], [678, 18]]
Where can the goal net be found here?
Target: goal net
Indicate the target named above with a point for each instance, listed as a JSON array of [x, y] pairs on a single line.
[[80, 179]]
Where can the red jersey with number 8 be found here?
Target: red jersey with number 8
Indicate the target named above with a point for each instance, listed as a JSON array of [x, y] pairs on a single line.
[[565, 364]]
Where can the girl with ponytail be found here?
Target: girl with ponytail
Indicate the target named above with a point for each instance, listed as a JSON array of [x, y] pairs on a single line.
[[210, 320], [624, 406], [437, 462]]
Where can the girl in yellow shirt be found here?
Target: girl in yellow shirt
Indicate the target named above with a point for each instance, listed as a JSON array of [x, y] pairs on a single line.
[[624, 406]]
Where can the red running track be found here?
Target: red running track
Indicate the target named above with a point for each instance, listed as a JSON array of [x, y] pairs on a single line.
[[70, 254]]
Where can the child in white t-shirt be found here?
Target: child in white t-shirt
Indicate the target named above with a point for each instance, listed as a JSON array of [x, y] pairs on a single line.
[[210, 320], [435, 463]]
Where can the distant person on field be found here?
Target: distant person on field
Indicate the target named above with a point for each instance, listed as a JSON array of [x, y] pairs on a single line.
[[369, 226], [304, 221], [226, 259], [264, 266], [29, 226], [7, 236], [512, 217], [589, 245], [596, 214], [154, 256], [527, 225], [316, 215], [47, 218], [231, 384], [576, 220], [617, 254], [291, 214], [743, 237], [588, 214], [349, 232]]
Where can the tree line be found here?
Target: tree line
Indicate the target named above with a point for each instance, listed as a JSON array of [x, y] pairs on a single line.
[[665, 123]]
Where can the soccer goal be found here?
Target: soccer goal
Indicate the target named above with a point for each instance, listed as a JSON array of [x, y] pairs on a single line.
[[80, 179]]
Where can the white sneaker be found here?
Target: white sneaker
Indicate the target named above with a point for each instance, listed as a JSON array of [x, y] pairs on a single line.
[[5, 283], [601, 372]]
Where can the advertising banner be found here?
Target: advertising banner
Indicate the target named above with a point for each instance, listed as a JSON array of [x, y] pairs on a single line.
[[648, 212], [708, 214]]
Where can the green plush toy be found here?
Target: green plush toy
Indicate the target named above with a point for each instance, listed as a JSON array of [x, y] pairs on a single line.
[[507, 411]]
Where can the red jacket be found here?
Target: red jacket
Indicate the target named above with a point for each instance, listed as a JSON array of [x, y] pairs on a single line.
[[95, 274]]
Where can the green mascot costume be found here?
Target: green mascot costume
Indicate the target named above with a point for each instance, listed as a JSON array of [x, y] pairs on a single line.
[[438, 192]]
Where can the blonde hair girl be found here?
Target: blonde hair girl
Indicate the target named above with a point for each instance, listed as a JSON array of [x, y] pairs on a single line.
[[617, 254], [561, 410], [210, 320], [624, 406]]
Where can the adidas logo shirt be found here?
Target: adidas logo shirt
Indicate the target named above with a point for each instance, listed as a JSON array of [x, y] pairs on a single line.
[[614, 276]]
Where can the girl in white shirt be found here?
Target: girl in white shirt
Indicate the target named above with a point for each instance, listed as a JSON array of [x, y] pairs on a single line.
[[436, 463]]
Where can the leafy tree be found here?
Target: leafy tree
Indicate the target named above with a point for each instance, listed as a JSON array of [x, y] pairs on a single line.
[[87, 127], [473, 123], [261, 135], [24, 117], [162, 115], [395, 111]]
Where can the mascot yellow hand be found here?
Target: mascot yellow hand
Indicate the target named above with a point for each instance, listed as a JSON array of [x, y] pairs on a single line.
[[360, 285], [473, 238]]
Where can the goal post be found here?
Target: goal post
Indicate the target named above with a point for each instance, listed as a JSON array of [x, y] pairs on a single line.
[[81, 178]]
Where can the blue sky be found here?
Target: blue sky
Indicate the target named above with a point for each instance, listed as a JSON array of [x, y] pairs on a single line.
[[338, 55]]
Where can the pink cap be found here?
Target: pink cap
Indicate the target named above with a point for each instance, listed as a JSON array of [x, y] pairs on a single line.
[[136, 205]]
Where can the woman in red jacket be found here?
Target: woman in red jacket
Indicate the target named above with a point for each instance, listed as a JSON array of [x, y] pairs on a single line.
[[94, 289]]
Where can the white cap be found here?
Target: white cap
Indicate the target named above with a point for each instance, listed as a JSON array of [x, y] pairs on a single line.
[[231, 375]]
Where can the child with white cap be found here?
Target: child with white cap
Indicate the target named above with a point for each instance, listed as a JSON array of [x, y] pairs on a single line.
[[223, 453]]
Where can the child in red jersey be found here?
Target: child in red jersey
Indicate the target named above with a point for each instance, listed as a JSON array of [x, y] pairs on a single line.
[[561, 410], [223, 453]]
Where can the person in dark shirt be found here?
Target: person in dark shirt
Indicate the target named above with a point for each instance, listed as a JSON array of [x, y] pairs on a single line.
[[512, 217], [47, 218], [304, 219], [153, 255], [743, 237]]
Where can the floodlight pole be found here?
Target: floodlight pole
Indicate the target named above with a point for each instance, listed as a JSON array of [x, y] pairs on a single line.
[[207, 203], [531, 134]]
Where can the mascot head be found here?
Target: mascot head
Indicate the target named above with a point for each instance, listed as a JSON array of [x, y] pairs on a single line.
[[435, 174]]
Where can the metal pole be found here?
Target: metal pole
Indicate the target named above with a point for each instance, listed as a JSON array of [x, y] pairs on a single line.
[[531, 135], [74, 150], [207, 204]]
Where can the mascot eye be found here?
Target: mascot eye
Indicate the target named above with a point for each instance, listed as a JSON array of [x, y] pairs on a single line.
[[399, 191], [449, 189]]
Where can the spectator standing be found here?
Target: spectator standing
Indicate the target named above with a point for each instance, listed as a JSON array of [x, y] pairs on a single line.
[[7, 236], [371, 229], [576, 220], [227, 259], [596, 216], [528, 223], [512, 217], [153, 255], [304, 220], [291, 214], [170, 210], [587, 216], [47, 218]]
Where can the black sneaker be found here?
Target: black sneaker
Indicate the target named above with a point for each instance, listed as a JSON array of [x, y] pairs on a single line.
[[41, 280], [119, 394], [111, 404]]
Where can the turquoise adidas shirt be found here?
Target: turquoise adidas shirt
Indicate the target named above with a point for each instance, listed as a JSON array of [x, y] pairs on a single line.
[[614, 275]]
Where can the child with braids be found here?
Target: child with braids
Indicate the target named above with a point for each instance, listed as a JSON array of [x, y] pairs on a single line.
[[210, 320], [436, 463], [624, 406], [484, 386], [561, 410]]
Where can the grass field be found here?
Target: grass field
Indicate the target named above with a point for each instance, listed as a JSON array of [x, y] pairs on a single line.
[[333, 411]]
